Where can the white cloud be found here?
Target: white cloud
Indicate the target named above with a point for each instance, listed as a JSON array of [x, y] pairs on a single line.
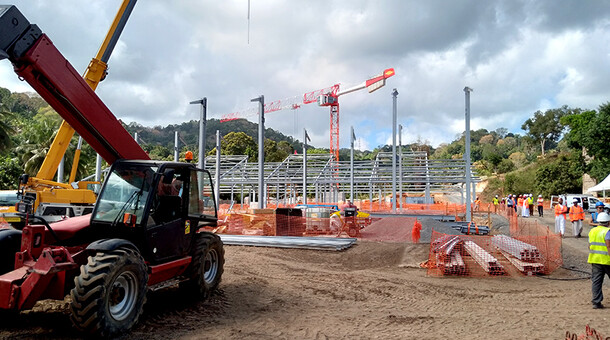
[[518, 56]]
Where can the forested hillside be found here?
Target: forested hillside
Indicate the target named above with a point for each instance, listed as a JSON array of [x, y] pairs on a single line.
[[556, 148]]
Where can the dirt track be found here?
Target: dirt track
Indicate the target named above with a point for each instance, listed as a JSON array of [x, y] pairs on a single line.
[[371, 291]]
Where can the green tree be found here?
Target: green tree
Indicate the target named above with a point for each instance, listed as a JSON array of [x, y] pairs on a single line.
[[6, 129], [563, 175], [237, 143], [506, 165], [37, 138], [591, 130], [10, 170], [547, 126], [273, 152]]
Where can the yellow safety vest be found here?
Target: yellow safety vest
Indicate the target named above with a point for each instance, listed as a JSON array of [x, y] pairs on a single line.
[[598, 252]]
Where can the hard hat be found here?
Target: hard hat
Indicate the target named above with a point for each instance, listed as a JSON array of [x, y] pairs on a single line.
[[539, 195], [603, 217], [600, 204], [188, 156], [575, 200]]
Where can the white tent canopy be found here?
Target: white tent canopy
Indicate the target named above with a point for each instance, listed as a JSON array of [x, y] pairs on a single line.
[[601, 186]]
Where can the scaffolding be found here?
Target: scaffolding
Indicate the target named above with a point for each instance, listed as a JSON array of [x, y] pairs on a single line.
[[329, 181]]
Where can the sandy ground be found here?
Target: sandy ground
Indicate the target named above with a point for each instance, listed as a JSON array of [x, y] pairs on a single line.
[[371, 291]]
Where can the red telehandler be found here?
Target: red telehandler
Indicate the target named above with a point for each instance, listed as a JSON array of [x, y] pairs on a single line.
[[144, 232]]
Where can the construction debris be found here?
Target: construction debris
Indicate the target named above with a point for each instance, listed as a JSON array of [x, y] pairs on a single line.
[[316, 243]]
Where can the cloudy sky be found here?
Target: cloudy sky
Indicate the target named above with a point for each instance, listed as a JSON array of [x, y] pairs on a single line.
[[517, 56]]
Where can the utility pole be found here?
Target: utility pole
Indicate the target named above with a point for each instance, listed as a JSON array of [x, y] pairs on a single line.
[[467, 91], [202, 124], [261, 150], [394, 96]]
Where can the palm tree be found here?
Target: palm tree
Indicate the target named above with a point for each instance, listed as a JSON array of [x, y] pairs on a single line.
[[6, 130]]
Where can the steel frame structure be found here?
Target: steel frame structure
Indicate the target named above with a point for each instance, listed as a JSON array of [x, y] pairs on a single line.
[[326, 179]]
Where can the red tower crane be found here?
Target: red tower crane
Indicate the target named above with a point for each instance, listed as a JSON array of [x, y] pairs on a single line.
[[328, 96]]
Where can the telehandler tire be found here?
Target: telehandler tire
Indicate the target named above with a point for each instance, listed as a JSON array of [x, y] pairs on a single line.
[[110, 292], [205, 272]]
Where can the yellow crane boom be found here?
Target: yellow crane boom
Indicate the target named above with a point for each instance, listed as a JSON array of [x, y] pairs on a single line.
[[95, 73]]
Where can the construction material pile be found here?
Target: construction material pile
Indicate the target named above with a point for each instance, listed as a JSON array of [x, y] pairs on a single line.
[[523, 256], [447, 255], [489, 263], [461, 255]]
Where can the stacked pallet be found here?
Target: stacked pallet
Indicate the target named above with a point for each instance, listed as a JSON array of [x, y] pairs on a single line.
[[489, 263], [523, 256], [447, 255]]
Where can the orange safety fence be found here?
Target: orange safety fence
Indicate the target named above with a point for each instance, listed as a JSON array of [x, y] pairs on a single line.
[[267, 223], [442, 208], [531, 248], [498, 255]]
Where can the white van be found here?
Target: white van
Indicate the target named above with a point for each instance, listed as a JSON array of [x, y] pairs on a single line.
[[587, 202]]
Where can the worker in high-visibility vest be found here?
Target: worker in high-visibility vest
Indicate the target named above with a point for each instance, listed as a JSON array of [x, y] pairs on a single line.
[[519, 205], [577, 215], [496, 202], [540, 202], [599, 208], [560, 217], [599, 258]]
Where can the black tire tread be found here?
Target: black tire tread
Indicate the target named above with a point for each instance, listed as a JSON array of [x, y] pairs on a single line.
[[90, 286], [195, 284]]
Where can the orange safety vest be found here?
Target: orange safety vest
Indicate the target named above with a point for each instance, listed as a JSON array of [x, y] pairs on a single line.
[[576, 213], [520, 201], [540, 200], [560, 210]]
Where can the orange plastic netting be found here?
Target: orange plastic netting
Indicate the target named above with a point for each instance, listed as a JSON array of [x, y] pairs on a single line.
[[530, 249], [269, 223]]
